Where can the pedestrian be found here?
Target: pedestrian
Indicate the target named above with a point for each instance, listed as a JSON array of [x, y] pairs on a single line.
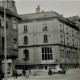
[[29, 70], [24, 72], [15, 73], [49, 72], [27, 74]]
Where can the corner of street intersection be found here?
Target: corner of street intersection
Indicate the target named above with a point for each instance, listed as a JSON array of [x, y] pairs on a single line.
[[71, 74]]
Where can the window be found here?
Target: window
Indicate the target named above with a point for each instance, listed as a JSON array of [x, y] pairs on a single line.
[[73, 42], [3, 43], [25, 28], [0, 22], [72, 32], [45, 28], [67, 43], [67, 38], [61, 42], [45, 38], [66, 30], [61, 28], [14, 25], [61, 39], [62, 53], [15, 43], [25, 40], [26, 55], [6, 24], [47, 53]]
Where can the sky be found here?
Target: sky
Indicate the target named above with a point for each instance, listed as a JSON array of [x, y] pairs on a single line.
[[66, 8]]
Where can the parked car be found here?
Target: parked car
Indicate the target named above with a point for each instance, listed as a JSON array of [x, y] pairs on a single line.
[[58, 70]]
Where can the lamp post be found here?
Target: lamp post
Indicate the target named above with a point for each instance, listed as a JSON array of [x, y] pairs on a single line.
[[5, 49]]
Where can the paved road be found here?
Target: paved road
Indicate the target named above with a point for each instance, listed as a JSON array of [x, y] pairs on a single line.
[[70, 75]]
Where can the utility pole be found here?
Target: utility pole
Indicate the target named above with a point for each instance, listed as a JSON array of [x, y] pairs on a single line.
[[5, 45]]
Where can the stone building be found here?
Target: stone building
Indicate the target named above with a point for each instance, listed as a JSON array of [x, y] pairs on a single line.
[[47, 39], [11, 35]]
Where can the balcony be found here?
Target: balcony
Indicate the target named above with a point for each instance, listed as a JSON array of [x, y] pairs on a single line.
[[11, 54]]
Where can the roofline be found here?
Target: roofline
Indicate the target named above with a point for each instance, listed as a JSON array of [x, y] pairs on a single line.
[[8, 12], [38, 13], [57, 16]]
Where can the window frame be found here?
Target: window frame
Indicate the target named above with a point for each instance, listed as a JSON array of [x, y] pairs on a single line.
[[47, 55], [25, 40], [45, 38]]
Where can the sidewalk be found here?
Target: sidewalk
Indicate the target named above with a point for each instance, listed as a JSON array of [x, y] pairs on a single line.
[[41, 75], [73, 70]]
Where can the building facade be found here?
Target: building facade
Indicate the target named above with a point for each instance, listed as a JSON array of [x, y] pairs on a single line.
[[11, 36], [47, 39]]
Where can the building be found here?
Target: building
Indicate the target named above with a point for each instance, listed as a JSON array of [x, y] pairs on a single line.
[[11, 34], [76, 20], [47, 39]]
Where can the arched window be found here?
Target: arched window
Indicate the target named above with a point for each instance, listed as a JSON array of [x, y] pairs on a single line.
[[26, 55], [25, 28], [45, 38], [45, 27], [25, 40]]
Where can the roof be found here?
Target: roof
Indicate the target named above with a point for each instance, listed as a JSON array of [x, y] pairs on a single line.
[[38, 15], [46, 15], [43, 15], [9, 13], [74, 18]]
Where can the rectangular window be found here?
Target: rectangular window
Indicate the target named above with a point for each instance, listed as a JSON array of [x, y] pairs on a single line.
[[51, 56], [42, 56], [66, 30], [72, 32], [0, 22], [47, 53], [25, 28], [45, 38], [62, 53], [42, 50], [3, 43], [6, 24], [14, 25], [45, 28], [15, 43], [25, 40], [26, 55], [61, 28]]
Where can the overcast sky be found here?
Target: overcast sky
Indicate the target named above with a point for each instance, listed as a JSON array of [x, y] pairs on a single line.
[[66, 8]]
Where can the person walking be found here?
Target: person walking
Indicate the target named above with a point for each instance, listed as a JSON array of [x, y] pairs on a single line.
[[24, 72], [15, 73], [27, 74], [29, 70]]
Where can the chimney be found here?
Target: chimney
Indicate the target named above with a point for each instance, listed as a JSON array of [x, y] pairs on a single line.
[[38, 9]]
